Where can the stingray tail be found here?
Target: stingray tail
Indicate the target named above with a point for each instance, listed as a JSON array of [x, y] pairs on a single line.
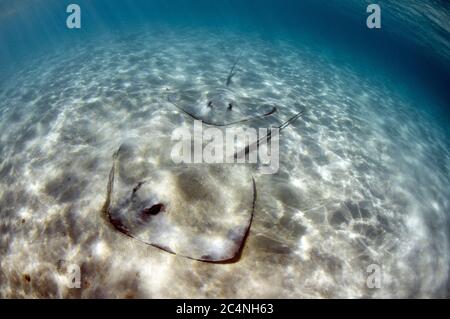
[[291, 120], [266, 138], [233, 70]]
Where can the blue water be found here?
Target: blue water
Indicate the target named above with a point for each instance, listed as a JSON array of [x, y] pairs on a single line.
[[364, 178], [334, 26]]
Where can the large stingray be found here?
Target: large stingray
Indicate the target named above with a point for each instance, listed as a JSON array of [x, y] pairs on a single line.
[[201, 212]]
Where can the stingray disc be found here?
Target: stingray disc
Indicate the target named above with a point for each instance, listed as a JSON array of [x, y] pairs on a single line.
[[202, 212], [221, 107]]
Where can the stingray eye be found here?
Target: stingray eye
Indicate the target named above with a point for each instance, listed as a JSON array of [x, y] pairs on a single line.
[[230, 106], [210, 104], [154, 210]]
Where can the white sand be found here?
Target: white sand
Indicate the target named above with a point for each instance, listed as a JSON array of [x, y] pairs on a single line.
[[364, 178]]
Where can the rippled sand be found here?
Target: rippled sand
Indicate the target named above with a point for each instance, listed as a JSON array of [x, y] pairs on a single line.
[[364, 177]]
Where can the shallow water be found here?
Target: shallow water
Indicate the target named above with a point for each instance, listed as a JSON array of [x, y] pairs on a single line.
[[363, 178]]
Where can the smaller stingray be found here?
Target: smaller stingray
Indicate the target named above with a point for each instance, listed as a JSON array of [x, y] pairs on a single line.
[[221, 108]]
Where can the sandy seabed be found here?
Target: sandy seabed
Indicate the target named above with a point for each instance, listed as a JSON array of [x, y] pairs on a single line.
[[363, 179]]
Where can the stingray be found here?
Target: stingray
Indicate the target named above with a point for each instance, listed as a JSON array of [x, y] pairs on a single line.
[[268, 110], [200, 212], [221, 107]]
